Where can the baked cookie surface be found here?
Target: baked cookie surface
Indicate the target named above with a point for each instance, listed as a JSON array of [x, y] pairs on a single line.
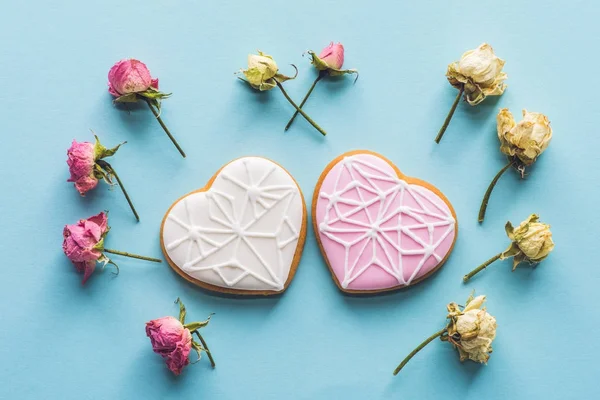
[[379, 230], [243, 233]]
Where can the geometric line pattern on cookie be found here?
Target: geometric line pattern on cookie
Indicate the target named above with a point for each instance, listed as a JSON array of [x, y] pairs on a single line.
[[394, 209], [237, 228]]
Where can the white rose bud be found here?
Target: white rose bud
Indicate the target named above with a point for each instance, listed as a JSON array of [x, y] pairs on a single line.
[[479, 72], [525, 140], [476, 75], [531, 242], [471, 331], [261, 71], [531, 238]]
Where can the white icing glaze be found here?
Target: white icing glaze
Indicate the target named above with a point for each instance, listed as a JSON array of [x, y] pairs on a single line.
[[242, 233]]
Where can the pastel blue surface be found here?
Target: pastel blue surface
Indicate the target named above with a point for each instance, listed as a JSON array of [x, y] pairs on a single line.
[[62, 340]]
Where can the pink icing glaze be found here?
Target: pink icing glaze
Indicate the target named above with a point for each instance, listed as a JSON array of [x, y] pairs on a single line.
[[378, 231]]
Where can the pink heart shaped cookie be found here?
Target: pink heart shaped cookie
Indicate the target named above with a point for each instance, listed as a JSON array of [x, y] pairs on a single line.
[[378, 229]]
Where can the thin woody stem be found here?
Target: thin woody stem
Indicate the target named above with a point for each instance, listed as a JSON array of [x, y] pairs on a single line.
[[319, 77], [417, 349], [306, 117], [208, 353], [112, 170], [449, 116], [160, 121], [488, 192], [124, 253], [482, 266]]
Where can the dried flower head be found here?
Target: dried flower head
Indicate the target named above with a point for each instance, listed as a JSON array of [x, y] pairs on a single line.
[[479, 73], [263, 73], [171, 338], [471, 330], [532, 241], [525, 140]]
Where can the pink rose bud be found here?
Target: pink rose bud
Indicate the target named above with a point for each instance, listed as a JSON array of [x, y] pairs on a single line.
[[130, 76], [80, 241], [81, 166], [171, 340], [333, 55]]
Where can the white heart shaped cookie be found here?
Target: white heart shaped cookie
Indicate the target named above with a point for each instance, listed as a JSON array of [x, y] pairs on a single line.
[[243, 233], [378, 229]]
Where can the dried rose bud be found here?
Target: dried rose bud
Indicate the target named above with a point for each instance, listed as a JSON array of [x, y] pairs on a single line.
[[328, 63], [522, 143], [263, 74], [533, 239], [171, 338], [471, 330], [171, 341], [83, 244], [130, 76], [130, 81], [531, 242], [478, 74], [87, 166], [81, 160], [525, 140]]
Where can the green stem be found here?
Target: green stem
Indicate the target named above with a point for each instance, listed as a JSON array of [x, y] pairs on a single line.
[[449, 116], [319, 77], [306, 117], [208, 353], [482, 266], [123, 253], [417, 349], [160, 121], [488, 192], [125, 193]]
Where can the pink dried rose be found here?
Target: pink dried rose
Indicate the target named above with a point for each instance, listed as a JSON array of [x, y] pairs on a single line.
[[87, 166], [129, 81], [81, 161], [328, 63], [83, 244], [171, 338], [333, 55], [130, 76]]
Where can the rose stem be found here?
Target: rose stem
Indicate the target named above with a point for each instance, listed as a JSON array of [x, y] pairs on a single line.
[[125, 193], [488, 192], [123, 253], [306, 117], [417, 349], [449, 116], [482, 266], [208, 353], [319, 77], [160, 121]]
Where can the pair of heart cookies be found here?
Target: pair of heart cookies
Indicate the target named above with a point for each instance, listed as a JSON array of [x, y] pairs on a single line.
[[244, 232]]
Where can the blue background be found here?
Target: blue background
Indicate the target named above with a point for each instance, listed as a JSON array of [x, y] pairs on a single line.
[[59, 339]]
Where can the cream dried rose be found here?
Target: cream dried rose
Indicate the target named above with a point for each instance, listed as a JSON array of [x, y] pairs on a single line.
[[471, 330], [531, 242], [479, 72], [477, 75], [525, 140], [522, 143]]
